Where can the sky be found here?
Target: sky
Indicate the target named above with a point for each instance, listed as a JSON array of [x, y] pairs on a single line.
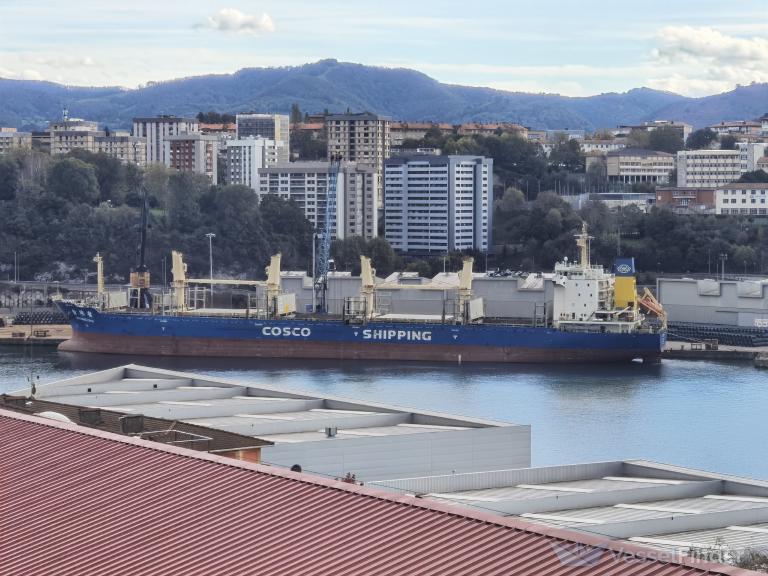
[[571, 47]]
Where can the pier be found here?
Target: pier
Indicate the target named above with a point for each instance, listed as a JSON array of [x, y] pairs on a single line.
[[43, 335]]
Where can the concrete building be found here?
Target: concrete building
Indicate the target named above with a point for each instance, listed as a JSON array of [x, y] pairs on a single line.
[[592, 146], [10, 139], [632, 165], [323, 434], [401, 131], [245, 156], [737, 127], [747, 199], [271, 126], [491, 129], [713, 168], [73, 133], [438, 203], [686, 200], [156, 130], [361, 138], [763, 124], [117, 505], [683, 128], [741, 303], [193, 152], [306, 183], [126, 148], [677, 510]]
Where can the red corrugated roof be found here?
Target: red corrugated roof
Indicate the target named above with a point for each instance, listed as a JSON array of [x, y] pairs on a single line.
[[79, 501]]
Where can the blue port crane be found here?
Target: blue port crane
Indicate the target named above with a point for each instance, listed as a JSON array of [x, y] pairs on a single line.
[[325, 236]]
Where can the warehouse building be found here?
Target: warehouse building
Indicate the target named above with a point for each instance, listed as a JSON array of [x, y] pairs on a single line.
[[678, 510], [323, 434], [82, 501], [742, 303]]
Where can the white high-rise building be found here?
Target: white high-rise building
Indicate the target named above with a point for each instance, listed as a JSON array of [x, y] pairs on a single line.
[[247, 155], [438, 203], [306, 183], [158, 129], [714, 168]]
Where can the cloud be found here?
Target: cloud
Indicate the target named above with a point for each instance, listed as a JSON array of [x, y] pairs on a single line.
[[702, 60], [232, 20]]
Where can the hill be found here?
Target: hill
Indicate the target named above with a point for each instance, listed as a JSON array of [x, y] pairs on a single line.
[[337, 86]]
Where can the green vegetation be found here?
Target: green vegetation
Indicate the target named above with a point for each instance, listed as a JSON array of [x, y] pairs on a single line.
[[534, 235], [699, 139], [56, 213], [213, 117]]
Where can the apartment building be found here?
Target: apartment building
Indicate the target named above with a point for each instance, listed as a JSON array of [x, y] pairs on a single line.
[[686, 200], [306, 183], [193, 152], [121, 145], [270, 126], [763, 124], [683, 128], [71, 133], [750, 127], [714, 168], [438, 203], [602, 147], [631, 165], [245, 156], [11, 139], [491, 129], [361, 138], [747, 199], [157, 130]]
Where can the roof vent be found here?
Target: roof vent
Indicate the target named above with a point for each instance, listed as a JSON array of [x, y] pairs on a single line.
[[91, 416], [330, 432], [132, 424]]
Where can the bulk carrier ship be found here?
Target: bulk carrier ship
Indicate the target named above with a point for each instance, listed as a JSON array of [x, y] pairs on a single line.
[[592, 316]]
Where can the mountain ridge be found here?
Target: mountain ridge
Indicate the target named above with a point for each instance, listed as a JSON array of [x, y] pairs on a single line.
[[401, 93]]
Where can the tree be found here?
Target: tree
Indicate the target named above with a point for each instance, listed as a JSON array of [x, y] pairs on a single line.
[[666, 139], [9, 178], [296, 115], [566, 154], [638, 138], [728, 142], [757, 176], [699, 139], [74, 181]]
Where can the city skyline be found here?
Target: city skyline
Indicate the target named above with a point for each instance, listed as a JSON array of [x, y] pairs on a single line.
[[691, 48]]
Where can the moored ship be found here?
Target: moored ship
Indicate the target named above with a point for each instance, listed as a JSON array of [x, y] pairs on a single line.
[[580, 313]]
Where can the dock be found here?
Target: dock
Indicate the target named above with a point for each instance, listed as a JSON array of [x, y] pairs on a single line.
[[684, 350], [40, 335]]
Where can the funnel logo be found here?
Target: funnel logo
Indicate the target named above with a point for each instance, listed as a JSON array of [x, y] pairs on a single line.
[[577, 555], [624, 269]]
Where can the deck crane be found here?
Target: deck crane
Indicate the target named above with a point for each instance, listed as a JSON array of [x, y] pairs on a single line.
[[325, 235]]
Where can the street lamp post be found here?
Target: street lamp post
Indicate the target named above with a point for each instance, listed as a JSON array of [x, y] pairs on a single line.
[[210, 237], [723, 259]]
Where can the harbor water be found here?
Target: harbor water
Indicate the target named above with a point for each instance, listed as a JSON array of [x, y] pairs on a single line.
[[691, 413]]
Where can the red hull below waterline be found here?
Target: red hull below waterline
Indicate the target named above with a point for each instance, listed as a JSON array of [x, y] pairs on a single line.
[[232, 348]]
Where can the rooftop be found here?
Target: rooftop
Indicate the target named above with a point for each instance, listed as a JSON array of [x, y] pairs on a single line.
[[638, 152], [84, 501], [305, 428], [670, 507]]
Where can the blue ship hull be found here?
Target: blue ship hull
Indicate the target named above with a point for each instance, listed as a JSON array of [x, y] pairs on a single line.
[[136, 333]]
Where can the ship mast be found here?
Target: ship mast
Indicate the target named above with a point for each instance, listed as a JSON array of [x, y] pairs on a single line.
[[582, 241], [139, 294]]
